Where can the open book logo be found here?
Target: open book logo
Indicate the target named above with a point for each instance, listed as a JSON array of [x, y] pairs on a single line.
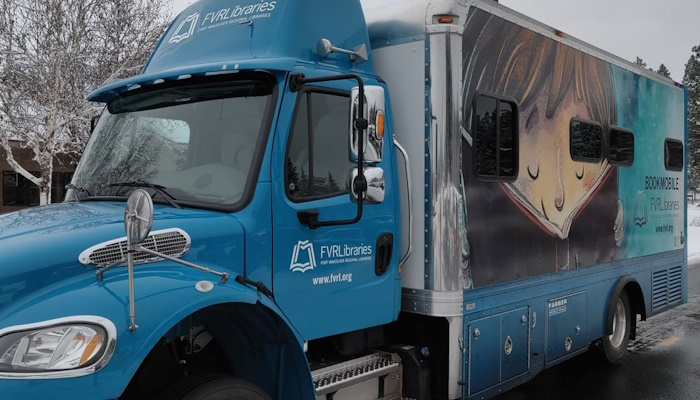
[[640, 209], [303, 258], [186, 29]]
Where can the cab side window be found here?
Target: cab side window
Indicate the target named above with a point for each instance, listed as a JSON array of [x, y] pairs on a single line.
[[318, 163]]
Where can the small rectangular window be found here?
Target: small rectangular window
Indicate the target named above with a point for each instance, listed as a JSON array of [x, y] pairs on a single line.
[[495, 137], [586, 140], [621, 147], [673, 155]]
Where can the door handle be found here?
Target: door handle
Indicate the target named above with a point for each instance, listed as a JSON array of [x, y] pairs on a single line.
[[385, 247]]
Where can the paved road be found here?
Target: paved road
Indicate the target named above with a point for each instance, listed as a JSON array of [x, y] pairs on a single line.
[[664, 363]]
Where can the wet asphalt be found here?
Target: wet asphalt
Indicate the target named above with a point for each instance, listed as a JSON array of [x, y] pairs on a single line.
[[663, 363]]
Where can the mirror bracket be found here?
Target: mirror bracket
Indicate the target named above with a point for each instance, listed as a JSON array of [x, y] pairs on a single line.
[[296, 82], [361, 123], [360, 184], [309, 218], [371, 185]]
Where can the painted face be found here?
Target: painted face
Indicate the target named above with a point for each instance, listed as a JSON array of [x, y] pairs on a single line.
[[551, 186]]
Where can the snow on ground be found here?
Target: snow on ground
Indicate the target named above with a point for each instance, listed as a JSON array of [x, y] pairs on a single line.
[[693, 234]]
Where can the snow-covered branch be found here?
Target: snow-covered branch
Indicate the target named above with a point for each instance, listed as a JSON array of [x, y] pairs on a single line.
[[52, 54]]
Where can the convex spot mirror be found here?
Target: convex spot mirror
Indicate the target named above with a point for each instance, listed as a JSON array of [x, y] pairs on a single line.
[[138, 216], [376, 185], [373, 140]]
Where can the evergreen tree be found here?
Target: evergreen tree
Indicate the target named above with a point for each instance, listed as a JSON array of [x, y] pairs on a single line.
[[332, 184], [640, 62], [293, 179], [663, 71], [691, 80], [304, 183], [319, 186]]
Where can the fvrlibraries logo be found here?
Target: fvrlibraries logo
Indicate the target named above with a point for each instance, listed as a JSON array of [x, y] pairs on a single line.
[[186, 29], [303, 258], [640, 209]]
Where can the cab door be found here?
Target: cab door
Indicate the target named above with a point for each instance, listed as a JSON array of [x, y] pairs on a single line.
[[331, 279]]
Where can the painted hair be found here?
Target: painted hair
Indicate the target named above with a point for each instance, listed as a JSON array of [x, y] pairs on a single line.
[[503, 58]]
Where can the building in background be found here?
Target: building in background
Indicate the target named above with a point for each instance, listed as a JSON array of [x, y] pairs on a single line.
[[18, 192]]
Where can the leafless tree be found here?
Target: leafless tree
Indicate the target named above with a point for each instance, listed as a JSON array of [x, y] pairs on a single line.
[[52, 54]]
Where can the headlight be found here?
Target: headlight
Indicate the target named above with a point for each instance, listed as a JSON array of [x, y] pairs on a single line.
[[56, 346]]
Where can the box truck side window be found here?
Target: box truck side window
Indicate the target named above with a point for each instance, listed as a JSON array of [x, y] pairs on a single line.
[[586, 140], [673, 155], [621, 147], [318, 161], [495, 138]]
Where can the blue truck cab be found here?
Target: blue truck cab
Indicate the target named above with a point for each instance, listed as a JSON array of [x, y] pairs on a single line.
[[245, 221], [240, 154]]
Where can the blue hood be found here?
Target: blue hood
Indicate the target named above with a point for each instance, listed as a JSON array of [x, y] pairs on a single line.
[[40, 246]]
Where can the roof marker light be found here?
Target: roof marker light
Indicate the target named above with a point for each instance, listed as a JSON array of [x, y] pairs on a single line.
[[445, 19]]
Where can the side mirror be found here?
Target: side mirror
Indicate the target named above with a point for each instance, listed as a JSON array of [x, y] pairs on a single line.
[[376, 185], [358, 55], [138, 221], [138, 216], [373, 139]]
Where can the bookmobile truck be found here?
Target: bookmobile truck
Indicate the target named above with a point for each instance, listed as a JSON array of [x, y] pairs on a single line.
[[318, 199]]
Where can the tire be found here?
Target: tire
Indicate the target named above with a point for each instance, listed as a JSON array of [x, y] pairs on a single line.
[[614, 348], [215, 387]]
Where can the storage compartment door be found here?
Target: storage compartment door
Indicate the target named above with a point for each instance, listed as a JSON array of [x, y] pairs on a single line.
[[566, 321], [514, 343], [484, 347]]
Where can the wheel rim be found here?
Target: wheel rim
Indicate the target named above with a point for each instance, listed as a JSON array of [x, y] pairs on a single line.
[[619, 325]]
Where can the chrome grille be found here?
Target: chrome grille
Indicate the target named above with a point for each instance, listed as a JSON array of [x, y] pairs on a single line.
[[171, 242]]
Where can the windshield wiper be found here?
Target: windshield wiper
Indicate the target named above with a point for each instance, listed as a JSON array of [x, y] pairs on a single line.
[[158, 188], [79, 190]]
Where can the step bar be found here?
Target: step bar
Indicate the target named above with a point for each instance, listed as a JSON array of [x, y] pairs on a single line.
[[329, 380]]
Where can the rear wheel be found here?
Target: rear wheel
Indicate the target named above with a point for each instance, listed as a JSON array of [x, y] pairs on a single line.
[[215, 387], [614, 346]]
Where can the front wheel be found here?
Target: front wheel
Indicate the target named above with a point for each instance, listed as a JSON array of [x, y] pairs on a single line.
[[216, 387], [614, 347]]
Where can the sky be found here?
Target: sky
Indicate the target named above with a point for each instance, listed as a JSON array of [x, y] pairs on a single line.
[[179, 5], [658, 32]]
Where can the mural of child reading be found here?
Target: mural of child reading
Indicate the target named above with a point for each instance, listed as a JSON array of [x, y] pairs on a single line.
[[556, 212]]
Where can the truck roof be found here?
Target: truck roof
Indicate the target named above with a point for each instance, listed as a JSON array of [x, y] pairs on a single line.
[[223, 36], [392, 22]]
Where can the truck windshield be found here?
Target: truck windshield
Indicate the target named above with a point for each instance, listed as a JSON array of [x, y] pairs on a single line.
[[197, 142]]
